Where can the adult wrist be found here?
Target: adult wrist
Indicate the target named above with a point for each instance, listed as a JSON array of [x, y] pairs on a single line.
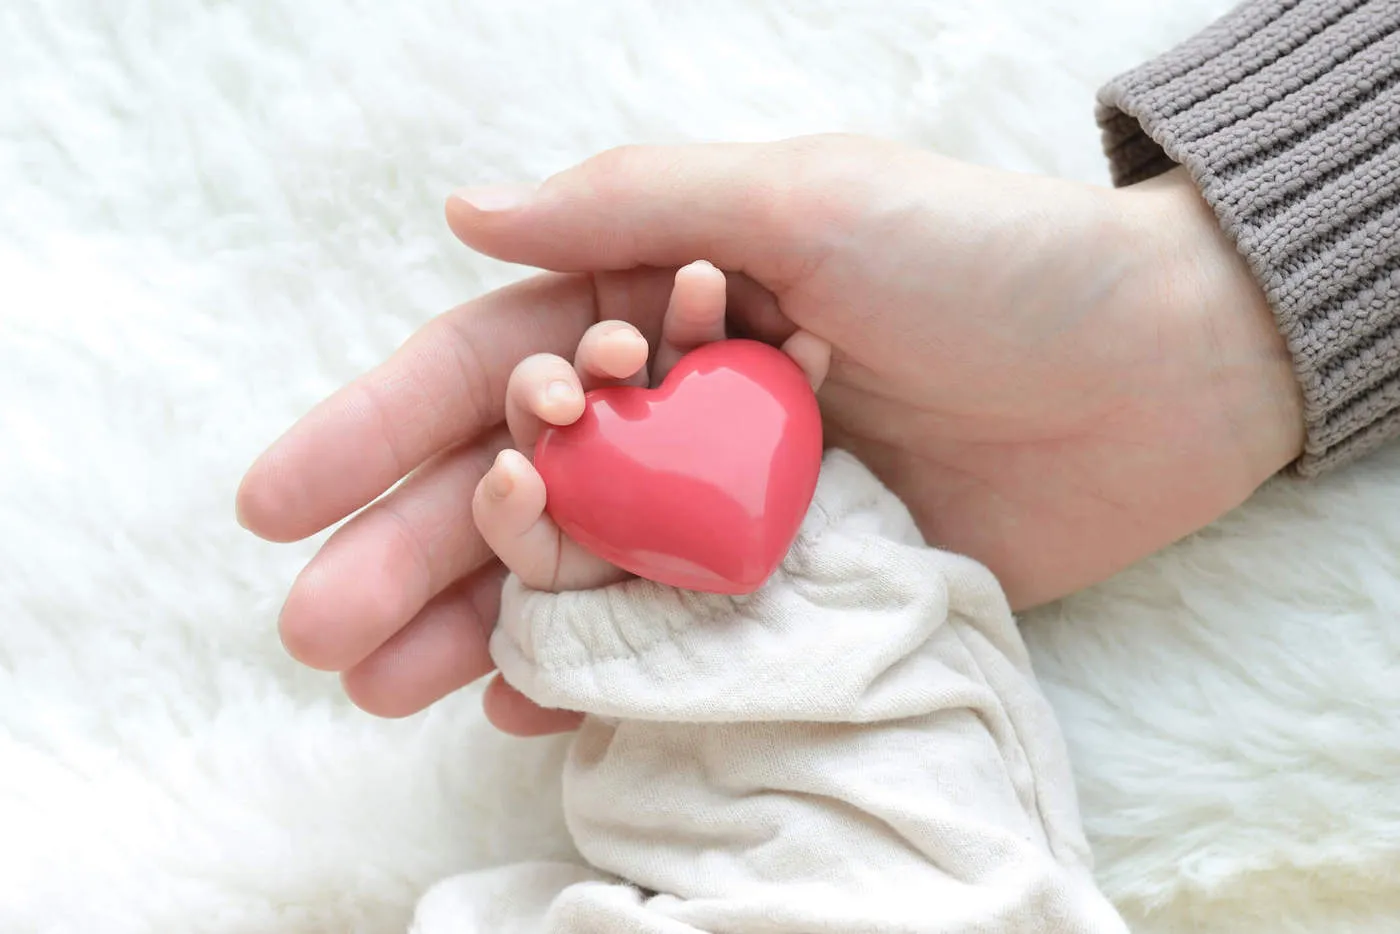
[[1217, 311], [1287, 117]]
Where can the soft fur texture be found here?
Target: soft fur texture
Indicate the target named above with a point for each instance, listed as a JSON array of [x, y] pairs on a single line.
[[214, 213]]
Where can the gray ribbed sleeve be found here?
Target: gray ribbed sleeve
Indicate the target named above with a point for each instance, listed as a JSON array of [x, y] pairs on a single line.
[[1287, 115]]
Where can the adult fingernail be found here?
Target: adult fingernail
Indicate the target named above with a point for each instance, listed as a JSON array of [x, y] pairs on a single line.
[[492, 199]]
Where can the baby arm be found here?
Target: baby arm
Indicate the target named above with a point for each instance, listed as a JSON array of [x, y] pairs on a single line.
[[859, 747]]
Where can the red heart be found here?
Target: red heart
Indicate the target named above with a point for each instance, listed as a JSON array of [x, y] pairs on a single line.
[[701, 483]]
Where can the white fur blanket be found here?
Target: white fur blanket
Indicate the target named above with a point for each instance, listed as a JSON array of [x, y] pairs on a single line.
[[214, 213]]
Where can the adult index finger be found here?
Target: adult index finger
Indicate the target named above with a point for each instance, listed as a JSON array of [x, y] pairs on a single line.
[[445, 385]]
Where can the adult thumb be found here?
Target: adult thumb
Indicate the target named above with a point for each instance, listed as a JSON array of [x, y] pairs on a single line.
[[764, 209]]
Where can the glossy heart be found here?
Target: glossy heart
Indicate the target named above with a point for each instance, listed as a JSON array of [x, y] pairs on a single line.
[[701, 483]]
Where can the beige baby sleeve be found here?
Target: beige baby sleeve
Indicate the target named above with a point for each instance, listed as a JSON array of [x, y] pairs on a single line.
[[860, 747]]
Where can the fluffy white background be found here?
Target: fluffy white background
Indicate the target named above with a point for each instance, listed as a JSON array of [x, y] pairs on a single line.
[[212, 214]]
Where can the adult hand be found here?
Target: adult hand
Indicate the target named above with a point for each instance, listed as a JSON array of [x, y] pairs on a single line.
[[1058, 379]]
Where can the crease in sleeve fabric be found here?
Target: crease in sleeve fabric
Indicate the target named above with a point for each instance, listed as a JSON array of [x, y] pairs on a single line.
[[861, 746]]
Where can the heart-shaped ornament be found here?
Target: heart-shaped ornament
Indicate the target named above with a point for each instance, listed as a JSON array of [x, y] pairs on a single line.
[[701, 483]]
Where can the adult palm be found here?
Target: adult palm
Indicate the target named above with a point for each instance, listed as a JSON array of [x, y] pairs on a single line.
[[1058, 379]]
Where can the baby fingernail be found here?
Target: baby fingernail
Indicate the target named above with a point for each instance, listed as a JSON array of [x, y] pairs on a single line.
[[559, 391], [626, 340], [494, 198], [499, 482]]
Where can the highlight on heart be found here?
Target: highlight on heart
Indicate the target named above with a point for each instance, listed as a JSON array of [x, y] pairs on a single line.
[[700, 483]]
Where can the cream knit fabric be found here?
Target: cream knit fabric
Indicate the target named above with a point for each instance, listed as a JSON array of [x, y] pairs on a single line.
[[859, 747]]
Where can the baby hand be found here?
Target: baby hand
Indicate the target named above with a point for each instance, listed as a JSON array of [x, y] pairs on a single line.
[[509, 504]]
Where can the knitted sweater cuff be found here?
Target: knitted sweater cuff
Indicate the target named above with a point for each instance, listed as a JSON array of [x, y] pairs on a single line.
[[1287, 115]]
